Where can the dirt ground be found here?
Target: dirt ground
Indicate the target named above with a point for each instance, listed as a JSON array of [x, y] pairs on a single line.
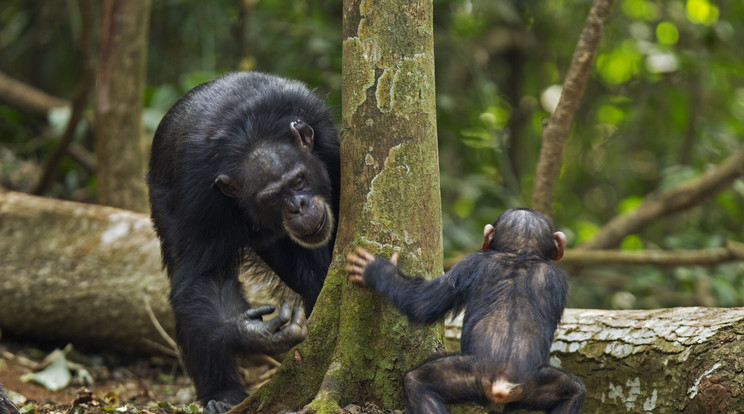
[[121, 384], [145, 383]]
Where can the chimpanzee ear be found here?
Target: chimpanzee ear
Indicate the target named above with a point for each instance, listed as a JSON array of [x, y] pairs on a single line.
[[487, 237], [560, 245], [304, 133], [228, 186]]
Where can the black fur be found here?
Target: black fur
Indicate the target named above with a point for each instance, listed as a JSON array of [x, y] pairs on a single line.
[[7, 406], [237, 126], [513, 297]]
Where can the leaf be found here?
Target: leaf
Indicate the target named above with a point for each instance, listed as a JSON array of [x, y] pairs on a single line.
[[54, 377]]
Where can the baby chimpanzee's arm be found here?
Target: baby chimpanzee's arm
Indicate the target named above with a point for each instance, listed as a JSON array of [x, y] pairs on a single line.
[[421, 300]]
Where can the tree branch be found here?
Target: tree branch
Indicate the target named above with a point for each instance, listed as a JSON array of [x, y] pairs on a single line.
[[664, 203], [28, 98], [707, 257], [78, 104], [555, 133], [20, 95]]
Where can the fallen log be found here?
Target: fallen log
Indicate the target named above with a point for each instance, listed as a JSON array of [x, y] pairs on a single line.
[[81, 273]]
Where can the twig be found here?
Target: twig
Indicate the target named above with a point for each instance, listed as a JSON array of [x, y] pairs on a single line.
[[555, 133], [174, 349], [160, 347], [158, 326]]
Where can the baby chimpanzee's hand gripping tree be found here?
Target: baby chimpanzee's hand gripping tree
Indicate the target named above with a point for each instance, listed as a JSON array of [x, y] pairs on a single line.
[[513, 298], [246, 161]]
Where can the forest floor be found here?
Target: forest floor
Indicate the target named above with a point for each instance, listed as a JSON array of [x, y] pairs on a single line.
[[120, 384]]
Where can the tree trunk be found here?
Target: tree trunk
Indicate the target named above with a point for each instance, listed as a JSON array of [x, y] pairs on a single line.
[[120, 143], [390, 201], [80, 273]]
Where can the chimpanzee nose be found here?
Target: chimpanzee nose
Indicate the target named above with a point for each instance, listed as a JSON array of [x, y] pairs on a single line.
[[297, 204]]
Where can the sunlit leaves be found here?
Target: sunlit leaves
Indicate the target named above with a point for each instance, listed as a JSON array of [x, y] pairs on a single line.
[[701, 12], [610, 114], [629, 204], [621, 64], [585, 230], [631, 242], [667, 33], [640, 9]]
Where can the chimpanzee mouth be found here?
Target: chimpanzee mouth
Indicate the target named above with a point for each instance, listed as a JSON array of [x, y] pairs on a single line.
[[309, 235], [321, 226]]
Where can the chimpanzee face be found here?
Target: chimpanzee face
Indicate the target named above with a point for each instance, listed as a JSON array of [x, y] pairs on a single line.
[[284, 188]]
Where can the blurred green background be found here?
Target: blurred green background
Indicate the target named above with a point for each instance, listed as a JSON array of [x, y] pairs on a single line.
[[665, 103]]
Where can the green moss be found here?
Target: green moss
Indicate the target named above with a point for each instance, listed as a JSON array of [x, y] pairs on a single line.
[[359, 59], [400, 31], [408, 169], [413, 86], [324, 403]]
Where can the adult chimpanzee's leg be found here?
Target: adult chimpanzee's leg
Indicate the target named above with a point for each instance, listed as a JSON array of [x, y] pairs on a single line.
[[449, 379], [205, 309], [214, 324], [554, 390]]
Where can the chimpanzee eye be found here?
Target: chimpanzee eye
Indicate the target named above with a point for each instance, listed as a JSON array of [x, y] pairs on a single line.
[[298, 183]]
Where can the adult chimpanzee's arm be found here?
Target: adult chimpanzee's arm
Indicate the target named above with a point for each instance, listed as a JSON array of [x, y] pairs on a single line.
[[421, 300]]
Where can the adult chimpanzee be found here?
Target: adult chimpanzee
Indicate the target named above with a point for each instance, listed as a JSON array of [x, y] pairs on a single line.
[[245, 161], [513, 298]]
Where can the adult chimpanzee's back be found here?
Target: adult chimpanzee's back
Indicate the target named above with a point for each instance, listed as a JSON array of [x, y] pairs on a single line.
[[245, 161]]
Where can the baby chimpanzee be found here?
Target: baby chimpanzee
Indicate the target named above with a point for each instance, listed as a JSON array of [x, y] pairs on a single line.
[[513, 298]]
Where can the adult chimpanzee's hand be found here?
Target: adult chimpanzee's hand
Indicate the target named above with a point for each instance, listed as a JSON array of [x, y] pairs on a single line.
[[272, 336], [357, 262]]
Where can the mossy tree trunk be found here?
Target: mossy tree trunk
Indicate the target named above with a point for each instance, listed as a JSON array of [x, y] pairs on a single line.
[[359, 347]]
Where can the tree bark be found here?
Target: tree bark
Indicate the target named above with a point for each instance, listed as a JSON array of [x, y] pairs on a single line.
[[359, 347], [679, 360], [120, 143]]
